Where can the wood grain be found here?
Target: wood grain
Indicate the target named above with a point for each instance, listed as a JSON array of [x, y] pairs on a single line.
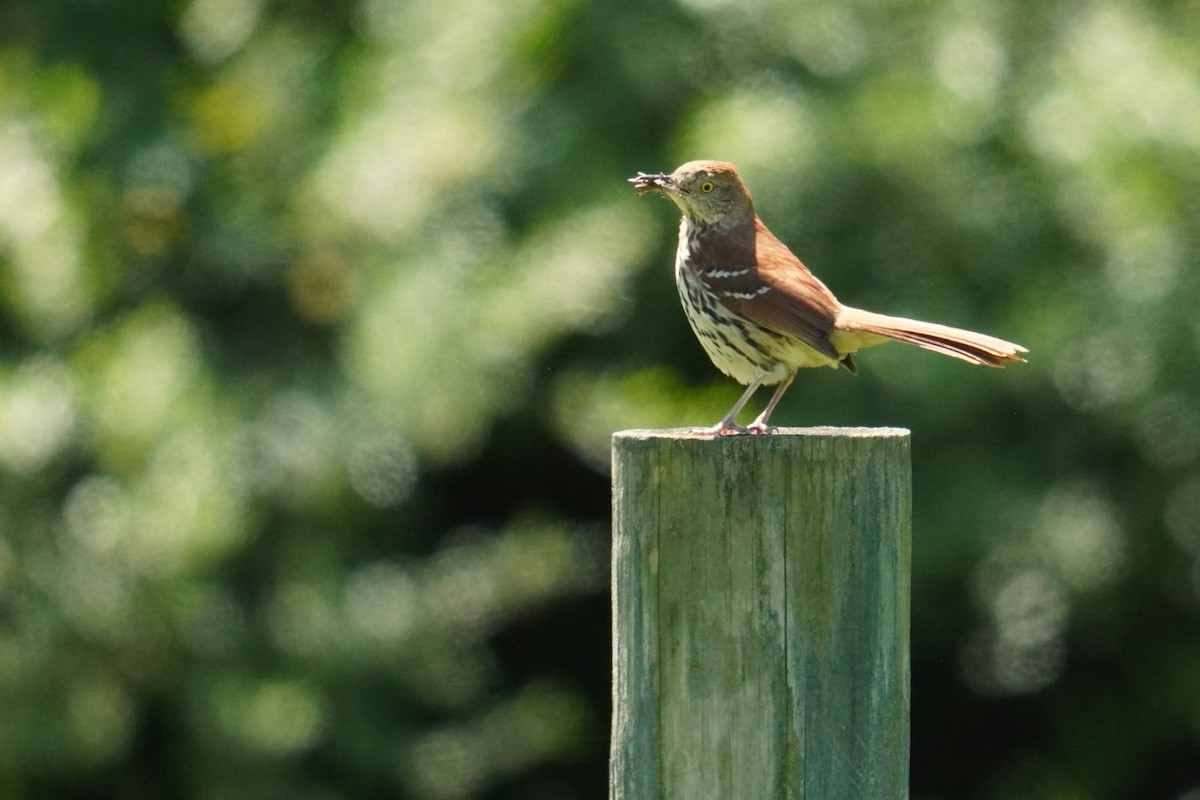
[[760, 615]]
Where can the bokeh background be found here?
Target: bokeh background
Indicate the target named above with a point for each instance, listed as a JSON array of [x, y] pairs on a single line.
[[316, 318]]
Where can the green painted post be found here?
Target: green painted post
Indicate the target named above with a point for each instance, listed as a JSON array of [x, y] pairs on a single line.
[[760, 615]]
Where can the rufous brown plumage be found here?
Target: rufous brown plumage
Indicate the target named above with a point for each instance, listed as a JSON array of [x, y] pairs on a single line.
[[759, 312]]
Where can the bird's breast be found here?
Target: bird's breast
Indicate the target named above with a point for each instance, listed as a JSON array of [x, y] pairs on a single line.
[[737, 345]]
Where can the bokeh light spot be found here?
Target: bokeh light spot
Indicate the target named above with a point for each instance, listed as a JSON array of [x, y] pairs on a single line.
[[215, 29], [971, 62], [37, 414], [282, 717], [1080, 536], [383, 470], [761, 130], [382, 601], [1020, 649]]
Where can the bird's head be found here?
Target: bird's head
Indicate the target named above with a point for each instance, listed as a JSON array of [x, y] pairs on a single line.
[[707, 192]]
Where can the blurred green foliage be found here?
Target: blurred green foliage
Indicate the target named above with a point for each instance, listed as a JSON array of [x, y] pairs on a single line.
[[315, 319]]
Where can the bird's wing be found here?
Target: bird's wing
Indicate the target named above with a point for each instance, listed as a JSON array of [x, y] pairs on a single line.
[[778, 292]]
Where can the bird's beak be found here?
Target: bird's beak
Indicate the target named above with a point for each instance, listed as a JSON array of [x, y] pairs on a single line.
[[661, 183]]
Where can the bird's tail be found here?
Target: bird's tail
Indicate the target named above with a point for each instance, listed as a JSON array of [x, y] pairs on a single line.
[[976, 348]]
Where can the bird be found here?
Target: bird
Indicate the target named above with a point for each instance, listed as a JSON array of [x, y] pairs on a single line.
[[760, 314]]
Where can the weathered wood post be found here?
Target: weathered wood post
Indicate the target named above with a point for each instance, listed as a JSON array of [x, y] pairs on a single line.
[[760, 615]]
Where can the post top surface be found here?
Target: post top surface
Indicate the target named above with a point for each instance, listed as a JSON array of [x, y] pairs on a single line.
[[820, 432]]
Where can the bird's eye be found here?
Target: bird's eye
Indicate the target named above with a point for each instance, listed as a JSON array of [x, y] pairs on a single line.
[[706, 187]]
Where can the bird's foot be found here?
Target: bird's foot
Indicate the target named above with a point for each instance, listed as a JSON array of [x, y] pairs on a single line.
[[725, 427], [760, 427]]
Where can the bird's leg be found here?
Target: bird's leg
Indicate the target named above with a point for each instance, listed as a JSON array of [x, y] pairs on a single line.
[[727, 426], [760, 424]]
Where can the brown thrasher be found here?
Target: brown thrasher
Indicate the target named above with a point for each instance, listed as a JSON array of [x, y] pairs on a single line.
[[759, 313]]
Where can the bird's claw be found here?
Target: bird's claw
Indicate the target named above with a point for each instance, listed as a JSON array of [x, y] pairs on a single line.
[[727, 428]]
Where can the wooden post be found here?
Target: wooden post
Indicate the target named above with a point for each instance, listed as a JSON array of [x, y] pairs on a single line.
[[760, 592]]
